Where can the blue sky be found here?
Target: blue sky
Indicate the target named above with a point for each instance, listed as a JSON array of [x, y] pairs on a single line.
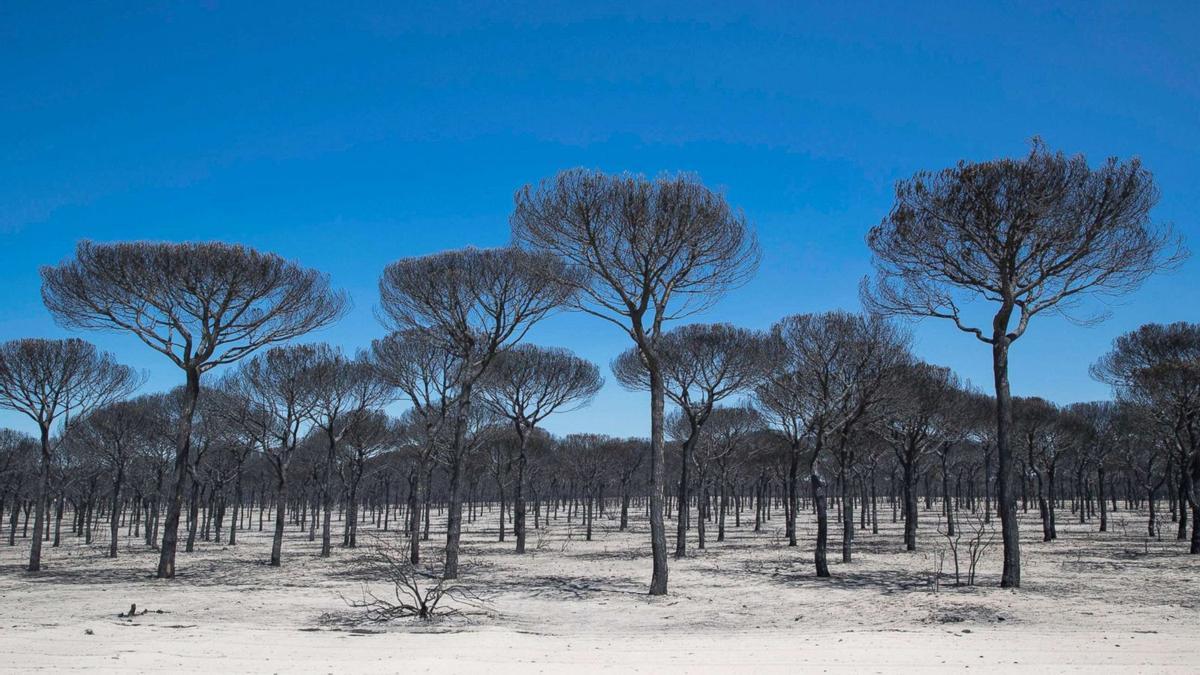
[[346, 138]]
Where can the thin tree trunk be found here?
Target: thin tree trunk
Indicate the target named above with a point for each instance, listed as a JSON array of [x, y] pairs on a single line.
[[658, 533], [793, 498], [40, 502], [1103, 508], [819, 499], [113, 524], [683, 498], [281, 495]]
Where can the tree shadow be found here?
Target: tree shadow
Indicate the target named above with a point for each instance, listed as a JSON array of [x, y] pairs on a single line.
[[201, 572], [883, 582]]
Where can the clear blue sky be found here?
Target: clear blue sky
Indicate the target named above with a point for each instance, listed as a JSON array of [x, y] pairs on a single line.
[[346, 138]]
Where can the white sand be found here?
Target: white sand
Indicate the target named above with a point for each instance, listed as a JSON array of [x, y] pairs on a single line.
[[1091, 602]]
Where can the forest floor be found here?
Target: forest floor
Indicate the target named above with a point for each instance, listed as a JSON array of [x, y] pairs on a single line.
[[1089, 602]]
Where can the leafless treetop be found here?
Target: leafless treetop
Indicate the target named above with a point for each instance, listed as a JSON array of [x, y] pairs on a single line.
[[528, 383], [46, 379], [344, 389], [472, 302], [1032, 234], [115, 431], [635, 245], [277, 385], [921, 399], [200, 304], [702, 364], [829, 369], [18, 452], [424, 372], [1157, 366]]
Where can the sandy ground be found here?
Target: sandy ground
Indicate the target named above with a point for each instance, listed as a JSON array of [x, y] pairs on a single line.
[[1090, 602]]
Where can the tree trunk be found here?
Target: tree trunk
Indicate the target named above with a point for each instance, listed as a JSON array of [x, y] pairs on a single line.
[[352, 510], [1151, 525], [793, 497], [847, 517], [1103, 507], [235, 521], [819, 499], [1195, 546], [1043, 509], [519, 495], [113, 523], [40, 503], [414, 513], [1010, 577], [722, 504], [684, 498], [588, 513], [193, 513], [987, 487], [1182, 500], [454, 512], [910, 506], [947, 505], [183, 446], [280, 500], [1053, 491], [874, 503], [658, 532], [624, 506], [1192, 476], [327, 494]]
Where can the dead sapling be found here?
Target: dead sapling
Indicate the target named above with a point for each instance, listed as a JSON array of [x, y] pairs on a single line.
[[980, 535], [417, 590], [953, 537], [973, 536]]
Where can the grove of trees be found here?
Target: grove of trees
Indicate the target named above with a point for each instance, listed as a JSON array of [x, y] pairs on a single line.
[[830, 413]]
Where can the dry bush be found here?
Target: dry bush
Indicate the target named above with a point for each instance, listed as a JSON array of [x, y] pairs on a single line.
[[973, 535], [417, 590]]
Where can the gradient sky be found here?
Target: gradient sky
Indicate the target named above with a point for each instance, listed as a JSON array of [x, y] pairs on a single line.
[[348, 138]]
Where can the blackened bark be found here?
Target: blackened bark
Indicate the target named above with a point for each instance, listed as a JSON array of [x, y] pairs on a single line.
[[414, 514], [658, 532], [193, 513], [236, 521], [113, 522], [910, 506], [987, 487], [683, 499], [1100, 492], [454, 510], [624, 506], [847, 517], [519, 496], [40, 501], [281, 495], [722, 505], [1052, 492], [819, 499], [1182, 491], [183, 446], [947, 504], [793, 497], [874, 503], [1006, 505], [1195, 547]]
